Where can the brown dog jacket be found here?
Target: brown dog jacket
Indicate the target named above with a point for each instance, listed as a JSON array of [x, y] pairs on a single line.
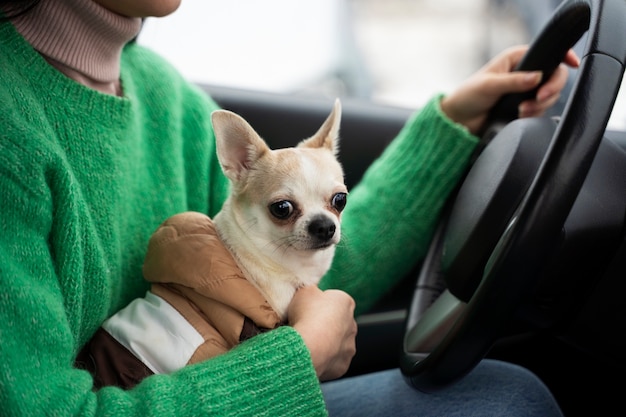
[[200, 305]]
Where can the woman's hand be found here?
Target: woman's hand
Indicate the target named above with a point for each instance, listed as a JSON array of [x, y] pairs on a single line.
[[325, 320], [469, 105]]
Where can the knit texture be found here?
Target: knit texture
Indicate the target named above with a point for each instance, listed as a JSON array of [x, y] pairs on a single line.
[[85, 179], [79, 34], [392, 213]]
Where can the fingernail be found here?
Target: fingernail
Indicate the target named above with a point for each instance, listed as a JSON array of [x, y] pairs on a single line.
[[533, 77]]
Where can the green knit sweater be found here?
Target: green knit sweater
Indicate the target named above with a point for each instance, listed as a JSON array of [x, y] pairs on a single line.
[[85, 178]]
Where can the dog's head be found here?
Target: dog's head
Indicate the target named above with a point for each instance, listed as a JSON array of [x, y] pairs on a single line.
[[285, 200]]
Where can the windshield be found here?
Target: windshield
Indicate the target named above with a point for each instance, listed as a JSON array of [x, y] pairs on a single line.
[[396, 52]]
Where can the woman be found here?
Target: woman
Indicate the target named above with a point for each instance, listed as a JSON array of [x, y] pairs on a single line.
[[101, 140]]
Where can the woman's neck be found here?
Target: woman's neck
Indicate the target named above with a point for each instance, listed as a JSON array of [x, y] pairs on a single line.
[[81, 39]]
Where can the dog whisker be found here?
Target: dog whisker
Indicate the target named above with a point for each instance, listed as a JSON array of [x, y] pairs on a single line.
[[283, 243]]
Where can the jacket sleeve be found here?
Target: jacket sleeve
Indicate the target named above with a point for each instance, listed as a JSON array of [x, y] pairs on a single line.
[[392, 212]]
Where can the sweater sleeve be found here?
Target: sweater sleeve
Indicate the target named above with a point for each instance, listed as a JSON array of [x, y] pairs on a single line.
[[37, 377], [270, 374], [236, 383], [392, 212]]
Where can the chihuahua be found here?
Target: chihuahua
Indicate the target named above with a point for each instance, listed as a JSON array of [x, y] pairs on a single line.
[[281, 221], [278, 228]]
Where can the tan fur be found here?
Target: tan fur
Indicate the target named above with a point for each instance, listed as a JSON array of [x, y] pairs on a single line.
[[278, 255]]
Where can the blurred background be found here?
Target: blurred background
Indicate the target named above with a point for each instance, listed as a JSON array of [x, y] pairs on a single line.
[[396, 52]]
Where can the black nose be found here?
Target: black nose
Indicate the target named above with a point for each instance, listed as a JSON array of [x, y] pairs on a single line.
[[322, 228]]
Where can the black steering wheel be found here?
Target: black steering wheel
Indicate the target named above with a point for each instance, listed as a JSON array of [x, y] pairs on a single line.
[[507, 216]]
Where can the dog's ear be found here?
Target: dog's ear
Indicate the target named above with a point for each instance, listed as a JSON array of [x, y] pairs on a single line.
[[328, 135], [238, 145]]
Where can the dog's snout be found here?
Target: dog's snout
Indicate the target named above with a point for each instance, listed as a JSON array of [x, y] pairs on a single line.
[[322, 228]]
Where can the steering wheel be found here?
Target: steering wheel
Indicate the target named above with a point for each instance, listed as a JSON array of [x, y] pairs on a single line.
[[508, 214]]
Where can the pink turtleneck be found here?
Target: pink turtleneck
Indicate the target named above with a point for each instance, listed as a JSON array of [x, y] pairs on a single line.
[[81, 39]]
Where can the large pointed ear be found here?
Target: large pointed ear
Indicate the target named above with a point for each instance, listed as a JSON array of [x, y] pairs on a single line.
[[328, 135], [238, 145]]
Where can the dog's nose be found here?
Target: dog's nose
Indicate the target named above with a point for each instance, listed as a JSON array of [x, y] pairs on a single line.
[[322, 228]]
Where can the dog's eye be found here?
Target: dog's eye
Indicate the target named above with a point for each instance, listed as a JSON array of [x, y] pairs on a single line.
[[339, 201], [281, 209]]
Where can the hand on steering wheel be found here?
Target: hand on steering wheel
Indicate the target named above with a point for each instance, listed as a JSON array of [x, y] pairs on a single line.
[[469, 105]]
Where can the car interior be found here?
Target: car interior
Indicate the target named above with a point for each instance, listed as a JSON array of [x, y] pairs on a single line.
[[533, 271]]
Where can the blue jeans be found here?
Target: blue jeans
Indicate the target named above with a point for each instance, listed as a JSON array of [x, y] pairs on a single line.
[[493, 388]]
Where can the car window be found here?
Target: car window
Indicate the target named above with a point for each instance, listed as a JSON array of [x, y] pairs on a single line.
[[400, 52], [397, 52]]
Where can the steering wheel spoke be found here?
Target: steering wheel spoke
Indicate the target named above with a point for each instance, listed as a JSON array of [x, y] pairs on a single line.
[[434, 324]]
